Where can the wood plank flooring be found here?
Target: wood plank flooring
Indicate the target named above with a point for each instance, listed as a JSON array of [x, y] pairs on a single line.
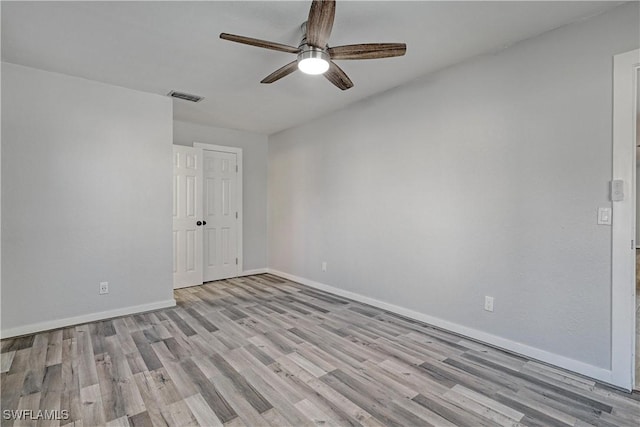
[[263, 351]]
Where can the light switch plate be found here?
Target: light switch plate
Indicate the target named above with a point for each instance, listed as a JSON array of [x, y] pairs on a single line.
[[617, 190], [604, 216]]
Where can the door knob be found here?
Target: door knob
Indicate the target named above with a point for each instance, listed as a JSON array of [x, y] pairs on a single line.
[[199, 223]]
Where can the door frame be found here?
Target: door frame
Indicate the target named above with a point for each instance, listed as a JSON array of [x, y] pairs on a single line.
[[238, 152], [623, 264]]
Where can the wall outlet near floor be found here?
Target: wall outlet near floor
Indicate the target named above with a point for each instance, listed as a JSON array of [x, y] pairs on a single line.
[[324, 266], [488, 303], [104, 288]]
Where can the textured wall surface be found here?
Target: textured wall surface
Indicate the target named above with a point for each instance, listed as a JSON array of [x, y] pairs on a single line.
[[483, 179], [86, 179]]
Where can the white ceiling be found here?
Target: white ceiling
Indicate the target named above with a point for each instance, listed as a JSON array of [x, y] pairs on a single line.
[[160, 46]]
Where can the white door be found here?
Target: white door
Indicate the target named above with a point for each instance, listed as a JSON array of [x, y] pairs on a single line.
[[220, 215], [187, 213]]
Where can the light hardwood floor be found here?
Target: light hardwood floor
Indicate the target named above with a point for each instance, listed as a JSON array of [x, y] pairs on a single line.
[[263, 351]]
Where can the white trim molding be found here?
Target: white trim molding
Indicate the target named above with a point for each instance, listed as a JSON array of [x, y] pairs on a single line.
[[625, 69], [252, 272], [238, 152], [564, 362], [86, 318]]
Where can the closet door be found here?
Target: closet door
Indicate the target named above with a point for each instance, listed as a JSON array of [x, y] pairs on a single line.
[[187, 216], [220, 215]]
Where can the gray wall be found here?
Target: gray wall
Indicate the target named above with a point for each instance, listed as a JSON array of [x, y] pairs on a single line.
[[85, 197], [254, 155], [483, 179]]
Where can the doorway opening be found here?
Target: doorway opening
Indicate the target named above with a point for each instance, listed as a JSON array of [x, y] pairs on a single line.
[[623, 196]]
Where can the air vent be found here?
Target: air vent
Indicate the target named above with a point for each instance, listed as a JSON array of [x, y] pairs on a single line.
[[185, 96]]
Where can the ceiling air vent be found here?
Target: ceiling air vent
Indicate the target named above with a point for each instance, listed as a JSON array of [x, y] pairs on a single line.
[[185, 96]]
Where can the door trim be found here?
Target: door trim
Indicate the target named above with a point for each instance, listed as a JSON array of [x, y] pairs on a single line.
[[623, 287], [238, 152]]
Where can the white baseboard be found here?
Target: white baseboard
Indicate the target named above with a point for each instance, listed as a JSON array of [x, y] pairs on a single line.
[[252, 272], [564, 362], [78, 320]]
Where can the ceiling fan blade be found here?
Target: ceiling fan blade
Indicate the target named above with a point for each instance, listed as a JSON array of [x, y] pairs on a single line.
[[368, 51], [281, 72], [320, 22], [338, 77], [259, 43]]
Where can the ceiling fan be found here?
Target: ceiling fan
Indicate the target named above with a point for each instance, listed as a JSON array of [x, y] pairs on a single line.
[[314, 54]]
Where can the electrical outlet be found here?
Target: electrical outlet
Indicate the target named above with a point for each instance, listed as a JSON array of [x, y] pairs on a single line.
[[488, 303], [324, 266], [104, 288]]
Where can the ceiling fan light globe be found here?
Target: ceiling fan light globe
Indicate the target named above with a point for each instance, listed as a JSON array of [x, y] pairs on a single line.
[[313, 61], [313, 66]]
